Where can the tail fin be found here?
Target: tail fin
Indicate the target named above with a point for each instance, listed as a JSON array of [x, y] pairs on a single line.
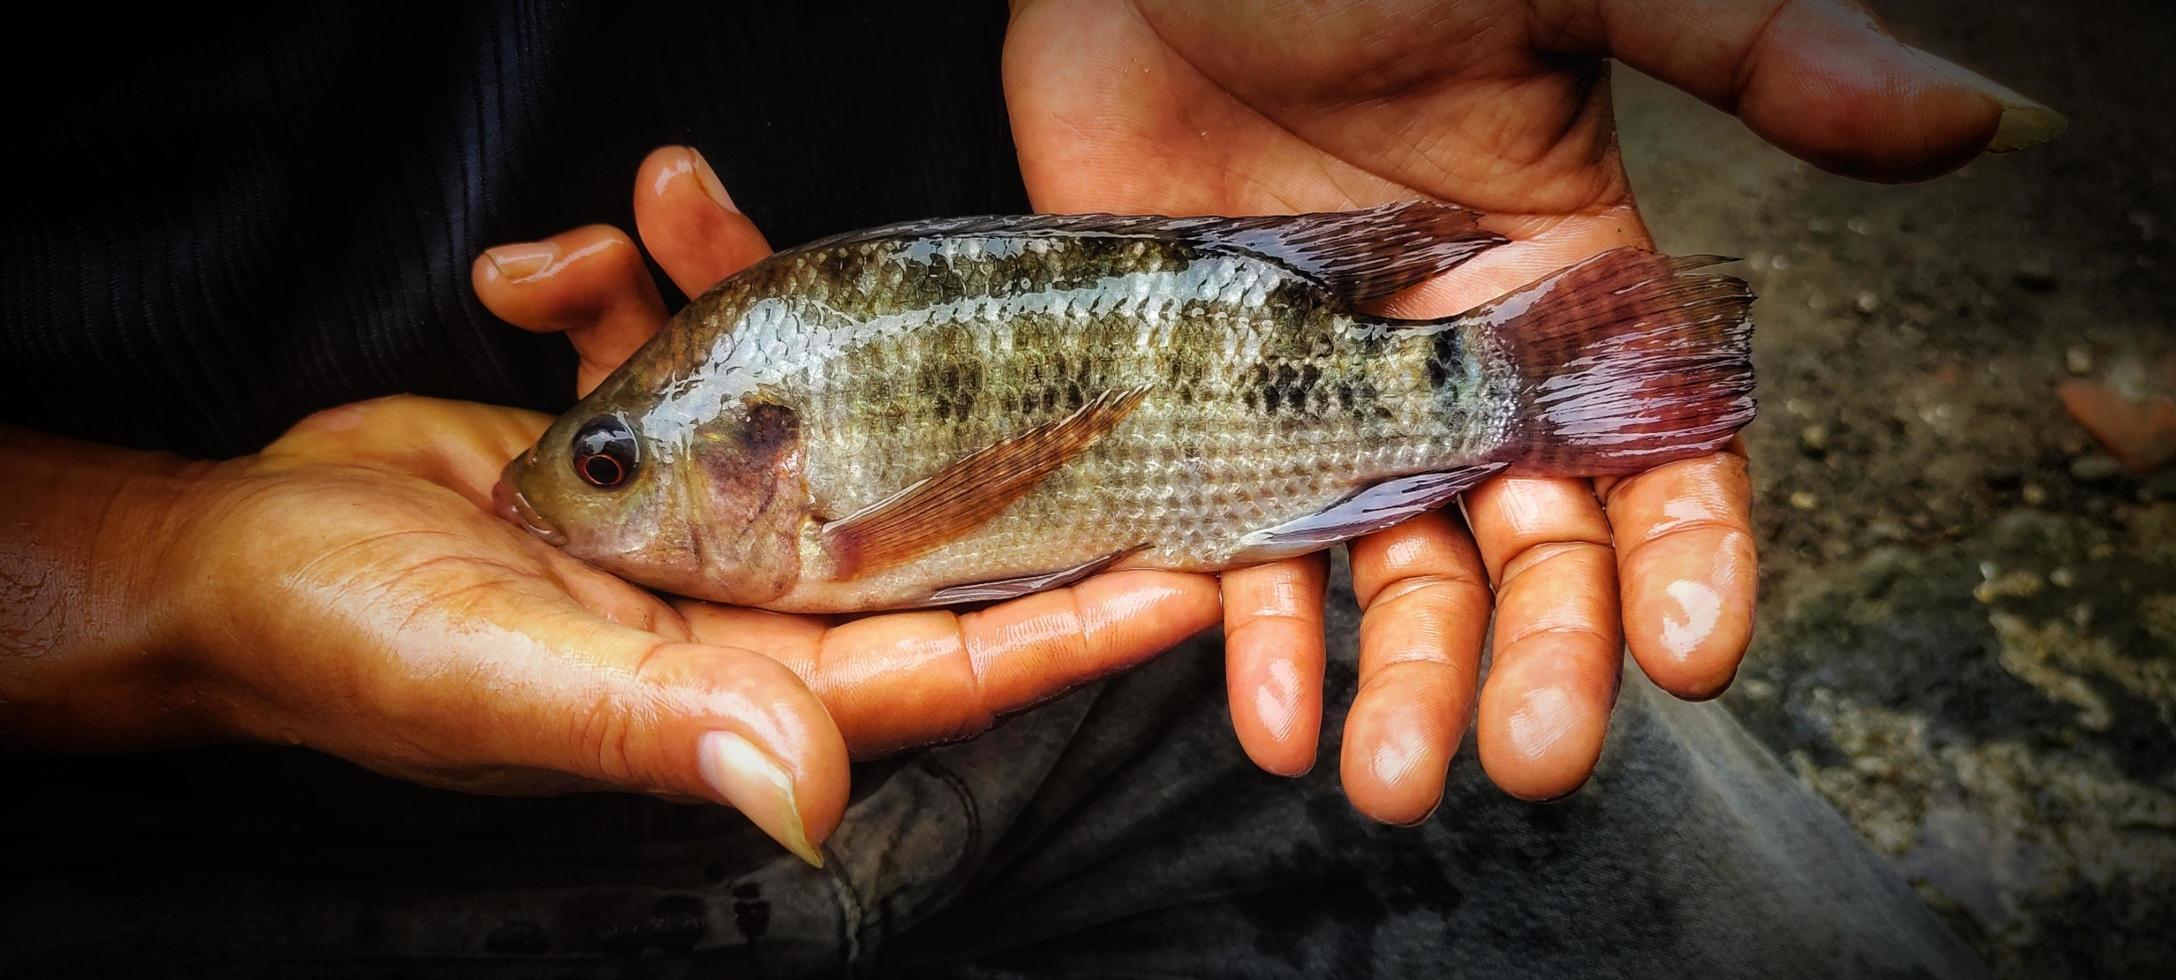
[[1627, 360]]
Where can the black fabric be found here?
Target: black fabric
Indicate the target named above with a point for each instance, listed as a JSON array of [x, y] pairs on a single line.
[[220, 220]]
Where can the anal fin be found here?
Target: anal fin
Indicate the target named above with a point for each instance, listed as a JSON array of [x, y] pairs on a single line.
[[972, 489], [1007, 588], [1377, 507]]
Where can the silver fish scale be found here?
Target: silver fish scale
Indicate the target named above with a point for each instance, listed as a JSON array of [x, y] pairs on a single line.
[[1264, 401]]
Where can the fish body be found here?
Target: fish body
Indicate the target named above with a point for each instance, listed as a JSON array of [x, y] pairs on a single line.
[[970, 409]]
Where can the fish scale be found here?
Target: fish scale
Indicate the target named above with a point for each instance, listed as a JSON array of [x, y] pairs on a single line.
[[1232, 436], [969, 409]]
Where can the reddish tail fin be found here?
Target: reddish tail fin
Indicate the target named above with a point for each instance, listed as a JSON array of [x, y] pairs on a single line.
[[1627, 360]]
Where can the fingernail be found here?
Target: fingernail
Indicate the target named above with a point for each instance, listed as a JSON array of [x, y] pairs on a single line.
[[523, 259], [709, 179], [758, 787], [2024, 122], [1417, 821]]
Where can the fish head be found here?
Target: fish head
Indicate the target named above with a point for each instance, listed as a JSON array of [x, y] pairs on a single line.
[[713, 511]]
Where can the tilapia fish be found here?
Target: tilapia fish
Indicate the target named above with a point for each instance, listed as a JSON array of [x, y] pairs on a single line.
[[965, 410]]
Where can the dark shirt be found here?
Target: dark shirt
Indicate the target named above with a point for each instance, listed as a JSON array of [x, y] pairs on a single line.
[[220, 222]]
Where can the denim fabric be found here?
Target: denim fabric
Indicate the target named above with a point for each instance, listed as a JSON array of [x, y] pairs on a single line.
[[1116, 832]]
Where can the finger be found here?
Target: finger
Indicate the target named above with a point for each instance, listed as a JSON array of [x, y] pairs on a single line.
[[589, 283], [787, 637], [898, 680], [615, 600], [1820, 78], [1557, 647], [512, 673], [689, 223], [1273, 660], [1685, 557], [1424, 601]]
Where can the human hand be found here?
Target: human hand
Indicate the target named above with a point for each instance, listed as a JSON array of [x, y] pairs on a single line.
[[889, 681], [1268, 106], [349, 589]]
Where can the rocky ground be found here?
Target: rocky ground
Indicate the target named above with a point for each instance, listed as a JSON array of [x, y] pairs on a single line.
[[1968, 637]]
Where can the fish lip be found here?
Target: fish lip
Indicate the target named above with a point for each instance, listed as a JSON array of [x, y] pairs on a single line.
[[508, 503]]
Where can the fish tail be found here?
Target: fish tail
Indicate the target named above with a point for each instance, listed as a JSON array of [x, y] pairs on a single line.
[[1626, 361]]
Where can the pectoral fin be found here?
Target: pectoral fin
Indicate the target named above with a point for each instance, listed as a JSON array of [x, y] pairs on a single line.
[[973, 489]]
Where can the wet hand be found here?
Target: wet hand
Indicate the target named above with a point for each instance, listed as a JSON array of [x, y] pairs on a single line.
[[1269, 106], [348, 589]]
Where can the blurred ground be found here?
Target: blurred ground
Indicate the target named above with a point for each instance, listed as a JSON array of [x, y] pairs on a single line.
[[1968, 634]]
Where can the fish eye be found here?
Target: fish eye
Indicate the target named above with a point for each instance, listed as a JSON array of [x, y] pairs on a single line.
[[605, 452]]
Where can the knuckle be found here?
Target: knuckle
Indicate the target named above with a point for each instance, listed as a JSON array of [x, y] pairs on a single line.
[[603, 742], [1412, 675], [1274, 632], [1434, 589], [969, 661], [1548, 555], [1576, 626]]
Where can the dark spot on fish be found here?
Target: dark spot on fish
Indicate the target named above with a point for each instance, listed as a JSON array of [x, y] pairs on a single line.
[[1293, 293], [952, 383], [1256, 390], [770, 428], [1286, 389], [1446, 359], [967, 381]]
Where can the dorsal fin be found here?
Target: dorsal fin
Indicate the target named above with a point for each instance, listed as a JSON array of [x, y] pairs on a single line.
[[1368, 253], [1362, 254]]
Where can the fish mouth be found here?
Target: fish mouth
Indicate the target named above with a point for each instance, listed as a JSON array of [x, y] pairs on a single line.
[[508, 503]]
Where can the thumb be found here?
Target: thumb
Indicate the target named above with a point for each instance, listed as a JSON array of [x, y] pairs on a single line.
[[1821, 79], [619, 706]]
